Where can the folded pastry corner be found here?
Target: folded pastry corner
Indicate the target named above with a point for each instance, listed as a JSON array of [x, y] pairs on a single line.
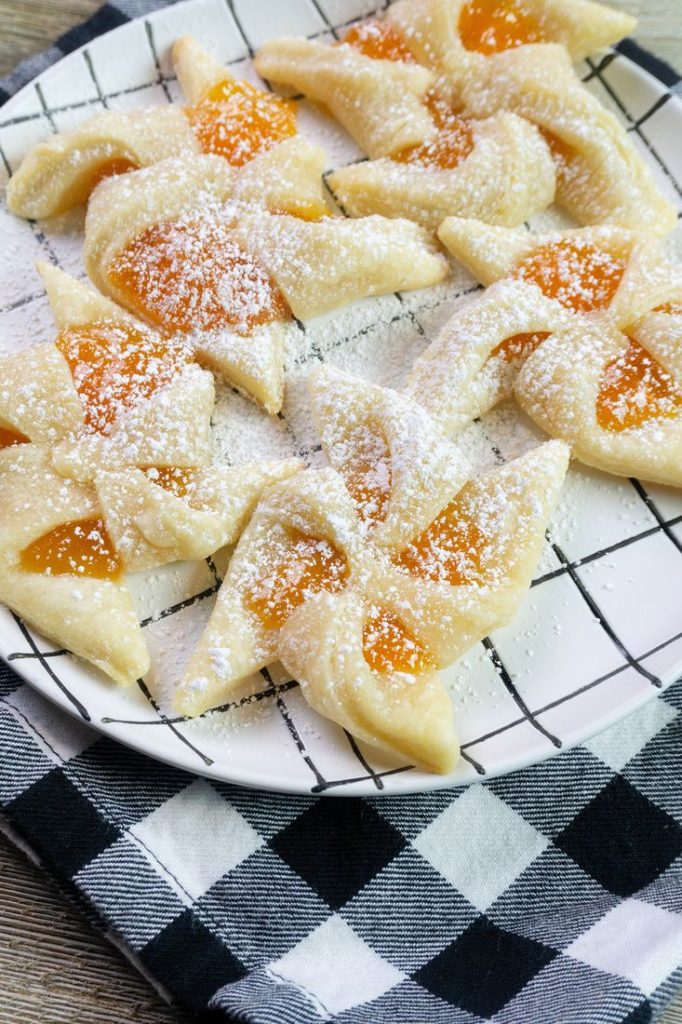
[[59, 570], [324, 264], [379, 103], [498, 169], [398, 711]]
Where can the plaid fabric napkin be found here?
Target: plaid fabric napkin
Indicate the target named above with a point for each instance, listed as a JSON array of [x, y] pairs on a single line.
[[552, 896]]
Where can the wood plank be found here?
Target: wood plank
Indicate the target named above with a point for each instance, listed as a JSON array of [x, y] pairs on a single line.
[[53, 966]]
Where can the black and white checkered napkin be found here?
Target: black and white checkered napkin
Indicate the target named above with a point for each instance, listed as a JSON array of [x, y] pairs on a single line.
[[552, 896]]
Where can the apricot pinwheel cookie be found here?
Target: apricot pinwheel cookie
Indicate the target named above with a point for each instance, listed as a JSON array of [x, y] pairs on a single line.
[[615, 396], [517, 55], [365, 577], [185, 246], [487, 58], [428, 161], [582, 328], [232, 119], [129, 413]]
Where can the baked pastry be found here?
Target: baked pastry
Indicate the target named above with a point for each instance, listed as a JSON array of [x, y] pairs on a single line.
[[58, 568], [129, 412], [455, 38], [141, 230], [474, 361], [582, 328], [249, 268], [601, 177], [109, 391], [489, 57], [321, 265], [230, 118], [422, 564], [614, 396], [586, 270], [369, 661], [498, 169], [379, 103], [427, 160]]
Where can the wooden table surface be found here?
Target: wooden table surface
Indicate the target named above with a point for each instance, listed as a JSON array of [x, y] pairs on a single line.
[[54, 968]]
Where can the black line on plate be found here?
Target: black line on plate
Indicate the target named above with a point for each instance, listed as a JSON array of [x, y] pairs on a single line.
[[44, 107], [240, 27], [181, 605], [252, 698], [91, 71], [660, 102], [78, 705], [17, 655], [334, 31], [160, 77], [335, 783], [376, 778], [506, 678], [602, 620], [294, 733], [626, 113], [663, 523], [166, 721], [476, 765], [602, 66]]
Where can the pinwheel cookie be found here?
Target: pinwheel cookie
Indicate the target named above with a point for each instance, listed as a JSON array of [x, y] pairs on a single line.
[[601, 176], [614, 396], [129, 413], [230, 118], [490, 57], [434, 162], [395, 564], [185, 246], [584, 334]]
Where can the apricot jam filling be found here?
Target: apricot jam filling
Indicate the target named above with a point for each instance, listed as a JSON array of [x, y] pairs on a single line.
[[186, 276], [310, 565], [672, 308], [633, 389], [8, 438], [380, 40], [578, 274], [367, 473], [453, 143], [237, 121], [175, 479], [519, 346], [389, 646], [114, 367], [79, 548], [490, 26], [448, 551]]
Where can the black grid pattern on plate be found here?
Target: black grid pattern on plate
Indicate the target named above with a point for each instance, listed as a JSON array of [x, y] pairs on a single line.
[[276, 692]]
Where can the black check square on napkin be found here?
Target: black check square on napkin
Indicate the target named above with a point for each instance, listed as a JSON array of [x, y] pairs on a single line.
[[551, 896]]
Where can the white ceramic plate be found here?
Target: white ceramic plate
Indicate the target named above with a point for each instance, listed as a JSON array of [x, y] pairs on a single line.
[[600, 631]]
